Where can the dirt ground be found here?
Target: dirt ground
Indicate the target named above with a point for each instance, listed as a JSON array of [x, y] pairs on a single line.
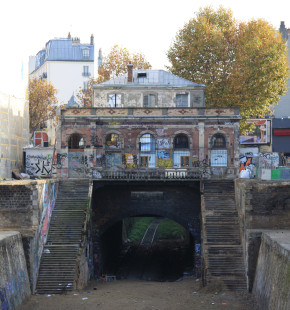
[[144, 295]]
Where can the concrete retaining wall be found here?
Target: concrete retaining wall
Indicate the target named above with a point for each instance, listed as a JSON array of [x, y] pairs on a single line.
[[272, 280], [14, 282], [26, 206]]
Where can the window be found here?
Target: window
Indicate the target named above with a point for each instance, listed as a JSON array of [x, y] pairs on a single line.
[[218, 158], [86, 71], [184, 161], [147, 143], [115, 100], [144, 162], [75, 141], [218, 155], [149, 101], [141, 75], [86, 53], [181, 142], [182, 100], [218, 142], [113, 141], [85, 86]]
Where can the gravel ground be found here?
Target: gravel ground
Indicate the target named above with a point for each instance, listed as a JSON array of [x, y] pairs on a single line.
[[145, 295]]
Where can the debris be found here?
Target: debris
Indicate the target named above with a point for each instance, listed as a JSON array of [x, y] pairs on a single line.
[[84, 298], [212, 303], [197, 280], [46, 251], [89, 292], [48, 295], [95, 288], [75, 294], [194, 292], [69, 284], [224, 303]]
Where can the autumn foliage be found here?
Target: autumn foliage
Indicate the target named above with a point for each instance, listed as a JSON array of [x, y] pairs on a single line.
[[242, 64], [113, 65], [42, 103]]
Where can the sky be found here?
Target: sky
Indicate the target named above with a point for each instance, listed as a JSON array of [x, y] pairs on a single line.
[[148, 27]]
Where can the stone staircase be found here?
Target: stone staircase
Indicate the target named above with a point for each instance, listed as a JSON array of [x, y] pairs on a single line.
[[59, 258], [221, 235]]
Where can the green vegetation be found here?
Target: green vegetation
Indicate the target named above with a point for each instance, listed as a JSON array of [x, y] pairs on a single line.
[[138, 228], [169, 229]]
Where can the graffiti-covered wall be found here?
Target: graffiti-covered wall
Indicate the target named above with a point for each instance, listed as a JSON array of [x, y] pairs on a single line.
[[26, 206], [14, 282], [39, 161]]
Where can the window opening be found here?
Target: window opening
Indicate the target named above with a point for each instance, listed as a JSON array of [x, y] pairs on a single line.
[[115, 100], [149, 100], [184, 161], [147, 143], [144, 161], [141, 75], [218, 141], [86, 71], [182, 100], [181, 142], [75, 141], [86, 53], [113, 141]]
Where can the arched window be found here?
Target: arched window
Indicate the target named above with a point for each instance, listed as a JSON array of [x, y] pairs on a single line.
[[218, 141], [113, 141], [147, 151], [147, 143], [181, 142], [75, 141], [218, 155], [181, 154]]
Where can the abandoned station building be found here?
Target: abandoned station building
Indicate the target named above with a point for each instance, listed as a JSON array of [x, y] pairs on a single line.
[[148, 124], [149, 145]]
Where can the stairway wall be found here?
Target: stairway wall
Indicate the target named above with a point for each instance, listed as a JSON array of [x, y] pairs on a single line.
[[222, 247]]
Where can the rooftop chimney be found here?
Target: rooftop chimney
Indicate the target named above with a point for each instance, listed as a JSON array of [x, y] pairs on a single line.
[[92, 39], [69, 36], [130, 73]]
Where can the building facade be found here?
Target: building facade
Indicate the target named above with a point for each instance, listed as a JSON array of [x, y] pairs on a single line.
[[66, 63], [148, 124], [14, 129]]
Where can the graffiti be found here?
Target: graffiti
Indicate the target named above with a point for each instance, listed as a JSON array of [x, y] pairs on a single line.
[[202, 165], [160, 131], [48, 202], [246, 166], [15, 290], [61, 160], [101, 161], [129, 160], [163, 143], [197, 260], [39, 165], [114, 160]]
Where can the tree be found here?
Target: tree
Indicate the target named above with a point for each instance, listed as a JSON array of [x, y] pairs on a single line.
[[242, 64], [114, 64], [42, 103]]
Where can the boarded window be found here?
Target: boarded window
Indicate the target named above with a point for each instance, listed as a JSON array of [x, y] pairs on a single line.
[[218, 158]]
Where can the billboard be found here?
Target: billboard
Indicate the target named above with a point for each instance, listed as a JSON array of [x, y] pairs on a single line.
[[258, 134]]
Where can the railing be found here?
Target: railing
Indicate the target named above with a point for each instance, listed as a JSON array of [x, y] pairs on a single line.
[[150, 174]]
